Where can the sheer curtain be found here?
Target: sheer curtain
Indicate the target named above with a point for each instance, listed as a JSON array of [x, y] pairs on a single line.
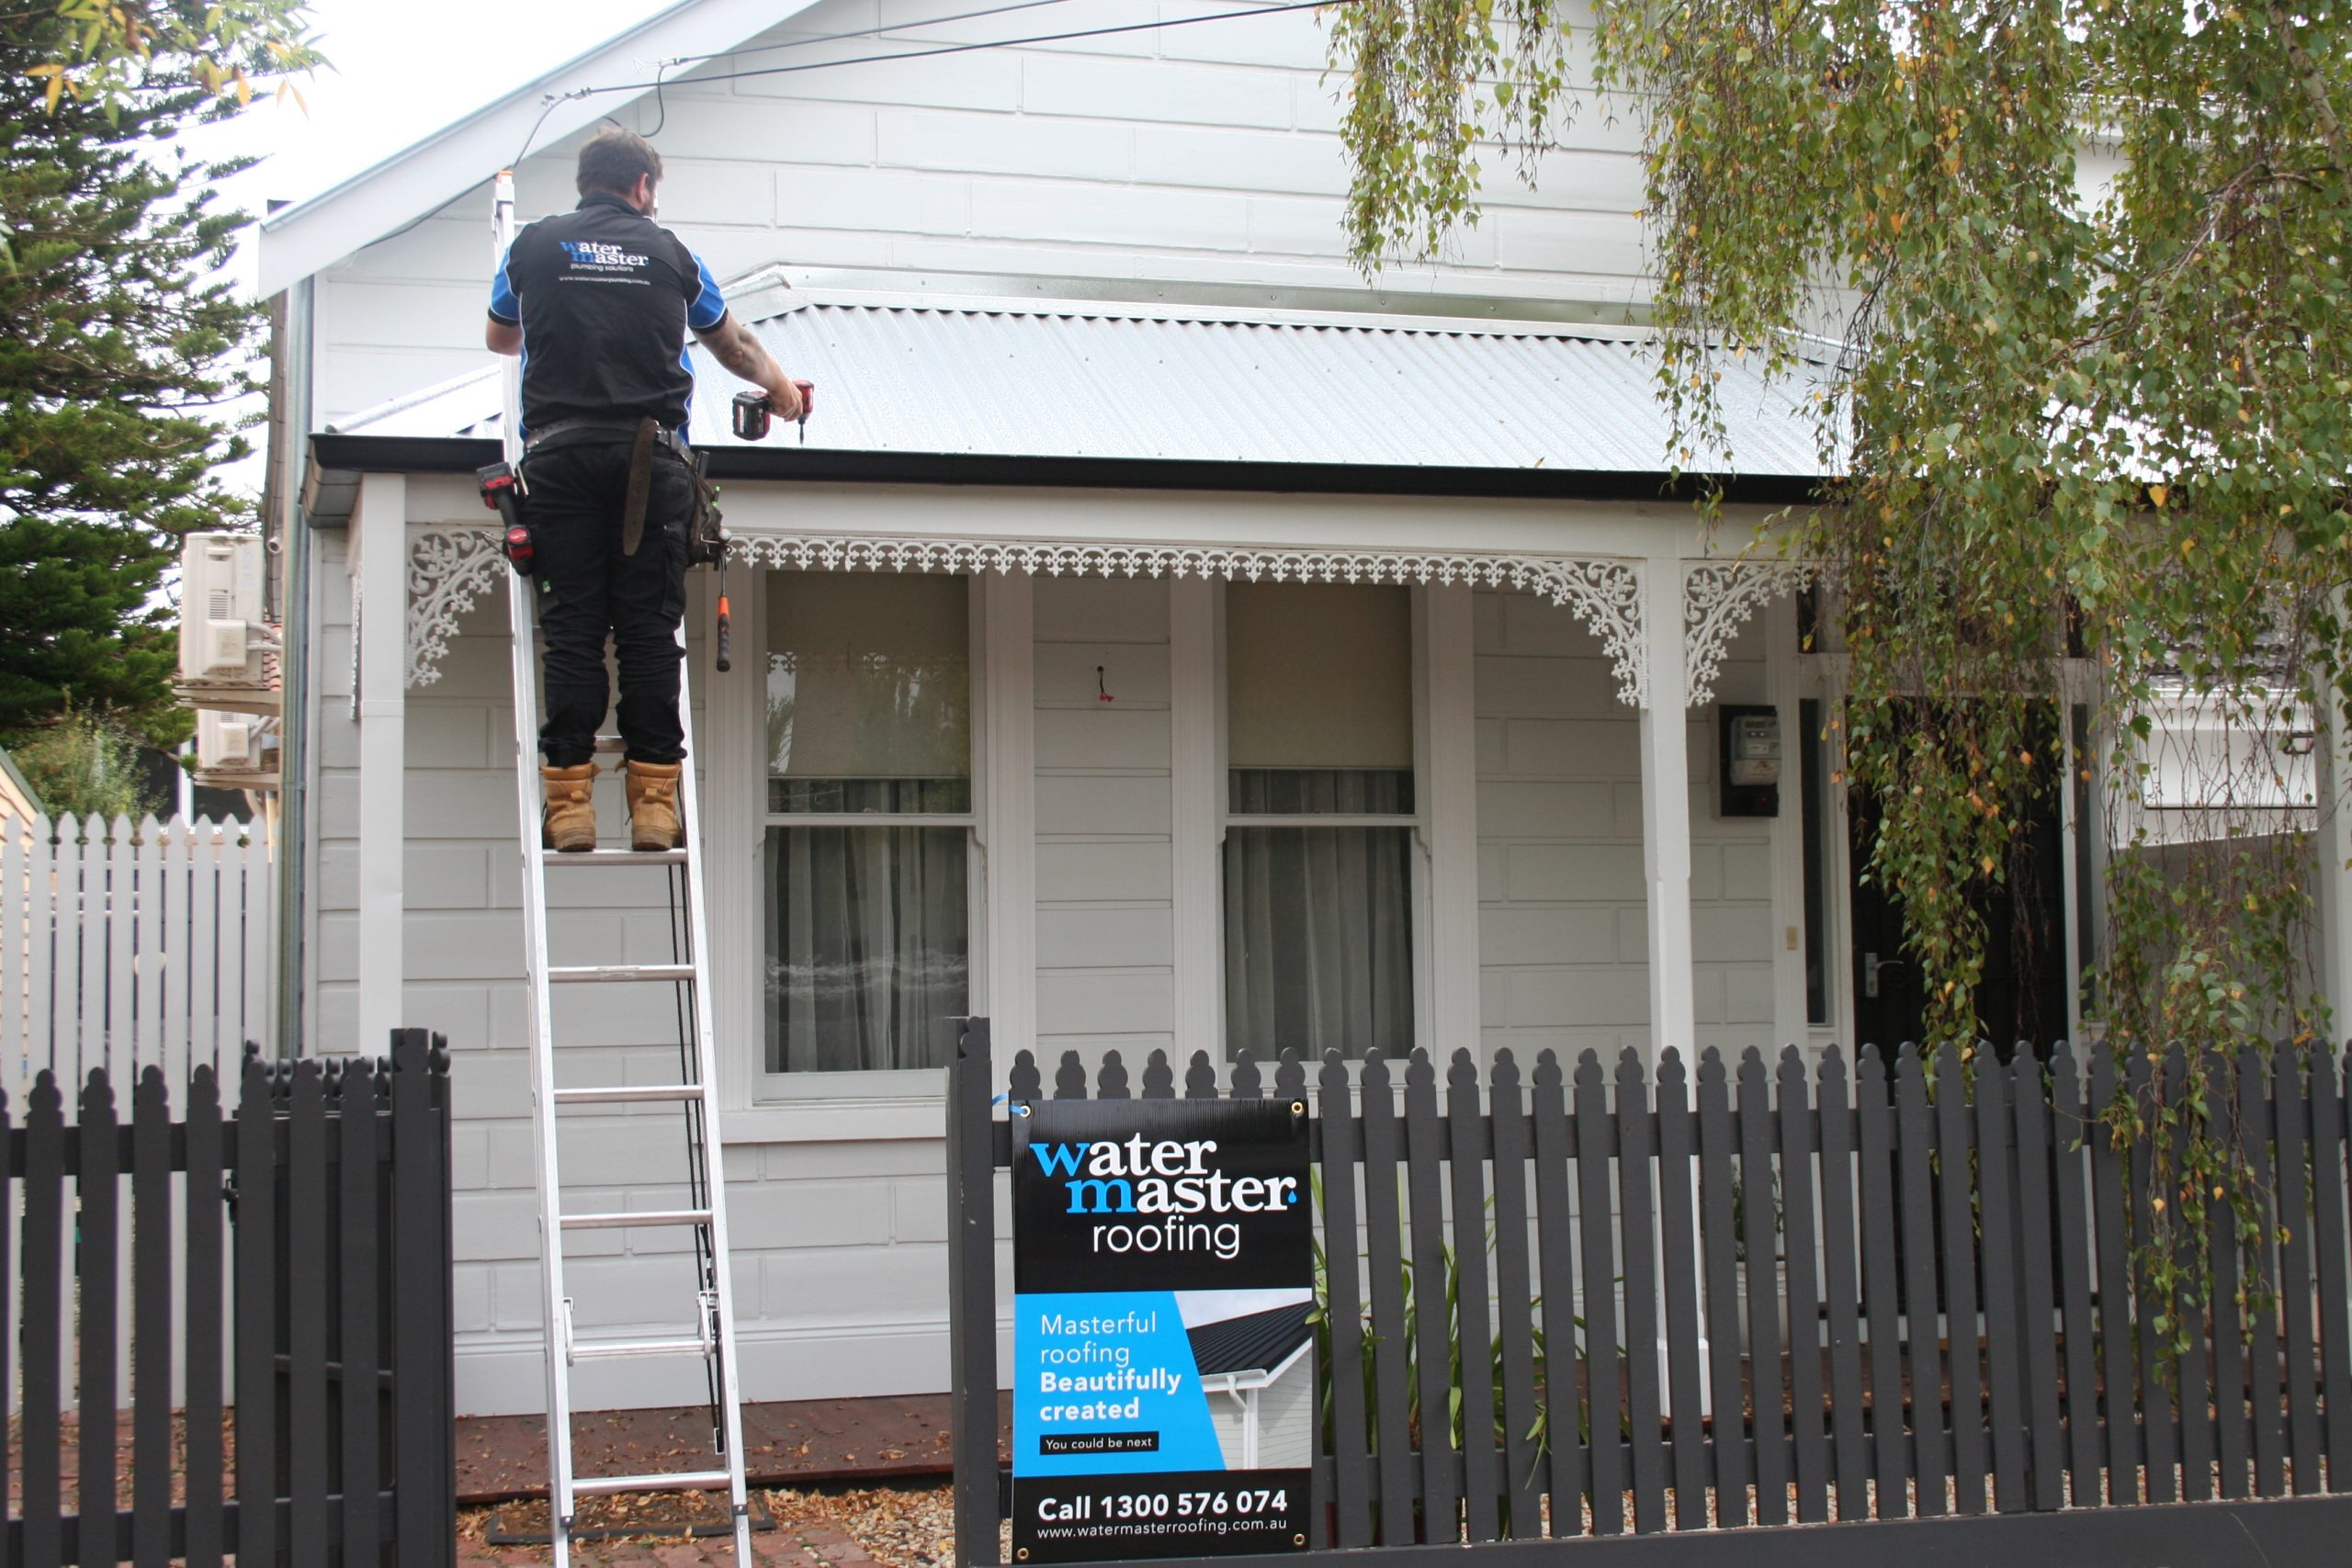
[[1318, 951], [866, 946]]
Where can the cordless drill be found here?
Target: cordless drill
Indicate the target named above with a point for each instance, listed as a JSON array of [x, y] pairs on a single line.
[[755, 410]]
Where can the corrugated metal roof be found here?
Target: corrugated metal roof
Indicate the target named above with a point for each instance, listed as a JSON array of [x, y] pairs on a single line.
[[1078, 382], [1258, 1343]]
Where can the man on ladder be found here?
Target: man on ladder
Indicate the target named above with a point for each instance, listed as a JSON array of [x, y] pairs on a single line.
[[602, 298], [598, 301]]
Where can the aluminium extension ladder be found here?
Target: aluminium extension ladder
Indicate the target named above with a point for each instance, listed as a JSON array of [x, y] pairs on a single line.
[[709, 1294]]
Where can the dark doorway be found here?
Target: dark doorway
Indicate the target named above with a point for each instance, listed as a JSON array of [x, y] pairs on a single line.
[[2023, 996]]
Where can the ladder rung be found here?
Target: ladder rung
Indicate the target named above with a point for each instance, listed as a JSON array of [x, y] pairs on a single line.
[[617, 857], [624, 1094], [617, 1349], [628, 1219], [595, 973], [611, 744], [675, 1481]]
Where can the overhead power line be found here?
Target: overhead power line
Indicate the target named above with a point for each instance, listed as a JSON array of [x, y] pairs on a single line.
[[934, 52]]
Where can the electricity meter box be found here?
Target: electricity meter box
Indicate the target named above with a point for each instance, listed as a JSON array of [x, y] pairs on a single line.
[[1749, 779]]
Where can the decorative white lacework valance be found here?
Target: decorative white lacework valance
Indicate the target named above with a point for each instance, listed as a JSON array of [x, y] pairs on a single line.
[[451, 567]]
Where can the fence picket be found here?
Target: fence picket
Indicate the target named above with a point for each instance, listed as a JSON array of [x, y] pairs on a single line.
[[1720, 1221], [1874, 1129], [2234, 1434], [256, 1542], [1555, 1231], [1997, 1224], [2256, 1120], [1965, 1392], [2295, 1326], [151, 1278], [306, 1311], [1637, 1249], [1915, 1151], [1604, 1397], [1343, 1304], [2190, 1368], [1514, 1283], [1678, 1204], [44, 1319], [2037, 1291], [153, 900], [2069, 1140], [97, 1185], [2159, 1422], [2329, 1245], [1441, 1504], [204, 906], [358, 1350], [119, 1039], [205, 1469], [256, 929], [1803, 1294], [1840, 1290], [2111, 1200], [42, 960], [72, 912], [19, 959], [1482, 1480], [1757, 1188], [1384, 1235]]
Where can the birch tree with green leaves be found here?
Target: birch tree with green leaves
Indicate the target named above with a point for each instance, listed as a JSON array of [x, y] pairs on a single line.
[[2066, 284]]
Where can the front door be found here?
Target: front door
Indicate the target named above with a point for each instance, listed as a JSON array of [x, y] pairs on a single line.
[[2023, 995]]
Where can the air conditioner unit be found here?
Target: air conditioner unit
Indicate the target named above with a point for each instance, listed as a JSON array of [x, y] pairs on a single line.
[[220, 607], [228, 743]]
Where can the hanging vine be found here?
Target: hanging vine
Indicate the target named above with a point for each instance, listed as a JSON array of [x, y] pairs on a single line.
[[2063, 286]]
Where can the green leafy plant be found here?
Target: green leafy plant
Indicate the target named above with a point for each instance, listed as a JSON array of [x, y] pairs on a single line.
[[85, 764]]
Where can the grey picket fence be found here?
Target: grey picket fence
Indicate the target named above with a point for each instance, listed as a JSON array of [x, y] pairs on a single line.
[[1937, 1313], [283, 1261]]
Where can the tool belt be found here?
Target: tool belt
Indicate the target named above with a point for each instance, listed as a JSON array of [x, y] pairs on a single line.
[[706, 533]]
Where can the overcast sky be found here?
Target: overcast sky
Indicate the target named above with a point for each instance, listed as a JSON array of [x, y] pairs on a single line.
[[399, 69]]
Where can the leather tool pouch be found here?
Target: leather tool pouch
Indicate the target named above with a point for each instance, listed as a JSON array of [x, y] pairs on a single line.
[[706, 530], [640, 486]]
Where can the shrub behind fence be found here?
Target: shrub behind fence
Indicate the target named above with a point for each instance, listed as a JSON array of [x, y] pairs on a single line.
[[1804, 1294], [285, 1260]]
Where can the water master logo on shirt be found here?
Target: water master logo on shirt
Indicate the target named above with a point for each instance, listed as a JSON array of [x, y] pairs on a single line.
[[603, 258]]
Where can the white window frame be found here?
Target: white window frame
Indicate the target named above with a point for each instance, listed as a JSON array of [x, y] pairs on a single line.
[[758, 1105], [1419, 821]]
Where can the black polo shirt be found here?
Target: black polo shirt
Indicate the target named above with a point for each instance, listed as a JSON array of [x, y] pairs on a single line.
[[605, 296]]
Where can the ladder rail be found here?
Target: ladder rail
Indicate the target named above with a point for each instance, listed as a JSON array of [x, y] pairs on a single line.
[[538, 1012], [703, 1115]]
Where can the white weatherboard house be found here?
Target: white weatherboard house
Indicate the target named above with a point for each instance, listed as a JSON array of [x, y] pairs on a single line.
[[1160, 641]]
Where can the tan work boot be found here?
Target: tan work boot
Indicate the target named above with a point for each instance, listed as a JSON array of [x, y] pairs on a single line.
[[653, 806], [569, 822]]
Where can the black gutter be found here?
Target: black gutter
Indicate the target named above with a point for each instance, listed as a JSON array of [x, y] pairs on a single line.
[[459, 455]]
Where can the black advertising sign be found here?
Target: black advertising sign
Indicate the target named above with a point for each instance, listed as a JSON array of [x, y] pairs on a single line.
[[1163, 1361]]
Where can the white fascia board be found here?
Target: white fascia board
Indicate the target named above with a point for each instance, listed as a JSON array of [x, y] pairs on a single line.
[[313, 235]]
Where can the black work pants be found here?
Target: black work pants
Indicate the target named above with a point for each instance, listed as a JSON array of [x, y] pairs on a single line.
[[588, 590]]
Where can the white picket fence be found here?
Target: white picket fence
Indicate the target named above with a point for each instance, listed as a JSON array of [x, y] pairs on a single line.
[[129, 944]]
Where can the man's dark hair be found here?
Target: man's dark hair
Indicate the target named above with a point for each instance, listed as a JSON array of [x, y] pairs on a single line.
[[613, 159]]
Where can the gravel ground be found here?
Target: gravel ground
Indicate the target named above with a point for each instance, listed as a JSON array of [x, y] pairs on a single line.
[[911, 1525]]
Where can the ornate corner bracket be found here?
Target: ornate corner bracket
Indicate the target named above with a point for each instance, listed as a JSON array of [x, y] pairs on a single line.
[[1718, 596], [448, 570], [1606, 595]]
